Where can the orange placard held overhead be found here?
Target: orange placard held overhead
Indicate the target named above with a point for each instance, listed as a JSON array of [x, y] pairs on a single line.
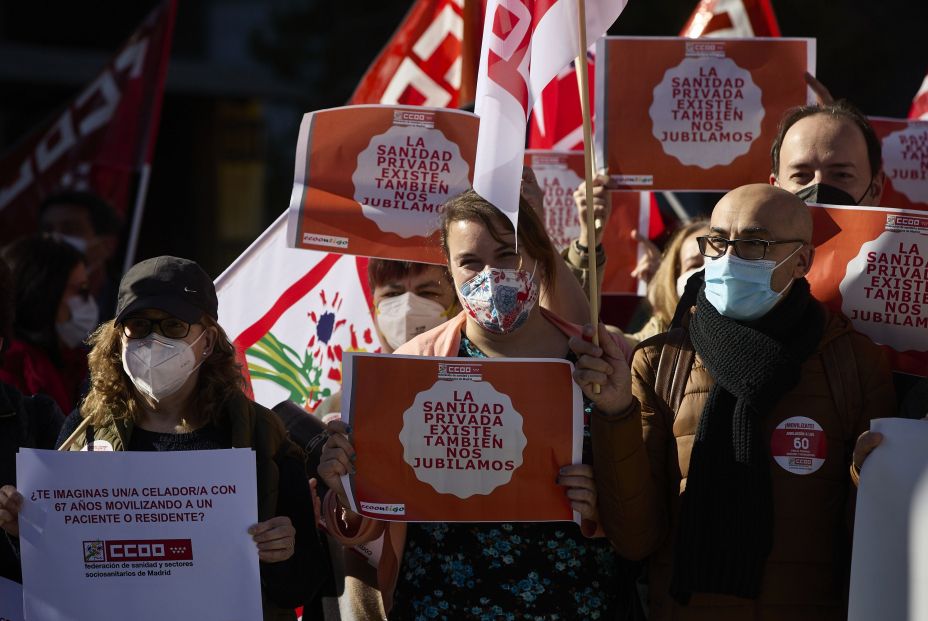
[[370, 180], [684, 114], [559, 173], [905, 162], [871, 263], [461, 439]]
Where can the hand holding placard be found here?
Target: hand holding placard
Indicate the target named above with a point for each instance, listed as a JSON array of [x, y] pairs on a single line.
[[11, 503], [337, 459]]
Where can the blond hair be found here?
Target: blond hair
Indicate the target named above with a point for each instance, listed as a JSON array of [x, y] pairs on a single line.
[[662, 290], [113, 397]]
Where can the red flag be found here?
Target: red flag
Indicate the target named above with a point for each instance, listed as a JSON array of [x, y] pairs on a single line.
[[429, 61], [732, 18], [919, 108], [101, 139]]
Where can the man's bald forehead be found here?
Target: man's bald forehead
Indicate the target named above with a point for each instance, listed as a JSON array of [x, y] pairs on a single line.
[[771, 207]]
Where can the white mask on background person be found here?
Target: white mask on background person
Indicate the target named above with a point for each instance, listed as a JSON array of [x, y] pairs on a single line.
[[402, 317], [159, 366], [684, 278], [84, 318], [78, 243]]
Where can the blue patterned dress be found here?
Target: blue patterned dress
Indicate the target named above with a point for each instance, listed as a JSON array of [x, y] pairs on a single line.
[[494, 571]]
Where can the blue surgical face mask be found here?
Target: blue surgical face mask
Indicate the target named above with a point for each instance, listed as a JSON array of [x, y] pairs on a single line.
[[740, 289]]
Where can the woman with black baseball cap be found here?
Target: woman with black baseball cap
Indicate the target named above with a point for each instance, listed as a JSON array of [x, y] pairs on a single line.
[[164, 377]]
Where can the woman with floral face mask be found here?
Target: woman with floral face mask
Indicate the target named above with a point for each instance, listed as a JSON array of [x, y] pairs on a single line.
[[54, 314], [165, 378], [491, 571]]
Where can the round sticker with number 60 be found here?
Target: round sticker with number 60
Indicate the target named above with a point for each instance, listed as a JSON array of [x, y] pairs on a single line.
[[798, 445]]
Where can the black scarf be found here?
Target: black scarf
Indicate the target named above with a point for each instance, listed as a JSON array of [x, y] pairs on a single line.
[[726, 519]]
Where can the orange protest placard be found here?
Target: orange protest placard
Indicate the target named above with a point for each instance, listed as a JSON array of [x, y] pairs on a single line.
[[685, 114], [905, 162], [371, 180], [460, 439], [871, 264], [559, 173]]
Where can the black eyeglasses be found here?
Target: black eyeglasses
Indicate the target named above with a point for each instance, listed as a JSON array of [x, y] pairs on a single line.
[[747, 249], [140, 327]]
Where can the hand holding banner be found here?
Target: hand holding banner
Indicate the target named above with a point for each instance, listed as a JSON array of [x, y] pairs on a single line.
[[559, 173], [460, 439]]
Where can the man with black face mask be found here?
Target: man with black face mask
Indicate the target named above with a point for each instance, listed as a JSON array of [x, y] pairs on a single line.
[[828, 154]]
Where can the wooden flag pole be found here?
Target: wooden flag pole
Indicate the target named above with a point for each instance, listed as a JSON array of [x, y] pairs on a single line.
[[582, 66], [73, 437], [583, 84]]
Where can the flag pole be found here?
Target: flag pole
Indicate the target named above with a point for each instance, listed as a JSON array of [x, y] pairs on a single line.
[[583, 84], [137, 212], [581, 66]]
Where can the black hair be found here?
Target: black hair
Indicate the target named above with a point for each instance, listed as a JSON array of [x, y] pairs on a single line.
[[41, 266], [103, 217]]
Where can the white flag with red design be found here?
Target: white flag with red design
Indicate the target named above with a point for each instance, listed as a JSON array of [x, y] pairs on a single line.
[[291, 314], [526, 43], [919, 108]]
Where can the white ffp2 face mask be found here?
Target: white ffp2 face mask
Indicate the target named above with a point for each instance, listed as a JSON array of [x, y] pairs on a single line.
[[84, 318], [159, 366], [402, 317]]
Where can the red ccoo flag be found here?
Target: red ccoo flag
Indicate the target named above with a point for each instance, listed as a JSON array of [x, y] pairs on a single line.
[[732, 18], [101, 140], [919, 108], [429, 61]]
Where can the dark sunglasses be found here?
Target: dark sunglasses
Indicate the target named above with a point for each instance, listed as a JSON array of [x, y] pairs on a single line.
[[169, 327]]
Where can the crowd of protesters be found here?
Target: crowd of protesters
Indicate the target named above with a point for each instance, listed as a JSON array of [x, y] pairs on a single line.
[[685, 515]]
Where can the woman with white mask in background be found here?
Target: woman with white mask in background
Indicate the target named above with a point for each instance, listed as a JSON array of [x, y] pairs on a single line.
[[53, 314], [165, 378]]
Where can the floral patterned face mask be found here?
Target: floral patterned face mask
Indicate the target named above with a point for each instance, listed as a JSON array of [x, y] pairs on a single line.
[[499, 299]]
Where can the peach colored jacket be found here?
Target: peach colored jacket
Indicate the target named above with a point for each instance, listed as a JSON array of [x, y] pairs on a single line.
[[445, 340]]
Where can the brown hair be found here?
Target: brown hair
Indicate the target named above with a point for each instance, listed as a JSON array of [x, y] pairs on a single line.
[[662, 290], [113, 395], [470, 206], [841, 109], [383, 271]]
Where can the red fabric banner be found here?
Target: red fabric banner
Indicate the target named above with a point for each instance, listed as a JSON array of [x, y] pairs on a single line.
[[101, 139]]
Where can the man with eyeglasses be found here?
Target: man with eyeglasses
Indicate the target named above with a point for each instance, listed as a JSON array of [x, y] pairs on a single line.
[[730, 466]]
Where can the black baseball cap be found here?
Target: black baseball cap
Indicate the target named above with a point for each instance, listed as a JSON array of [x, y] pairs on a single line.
[[176, 286]]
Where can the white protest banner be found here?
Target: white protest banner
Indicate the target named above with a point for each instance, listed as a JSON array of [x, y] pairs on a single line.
[[145, 536], [881, 584], [11, 601]]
